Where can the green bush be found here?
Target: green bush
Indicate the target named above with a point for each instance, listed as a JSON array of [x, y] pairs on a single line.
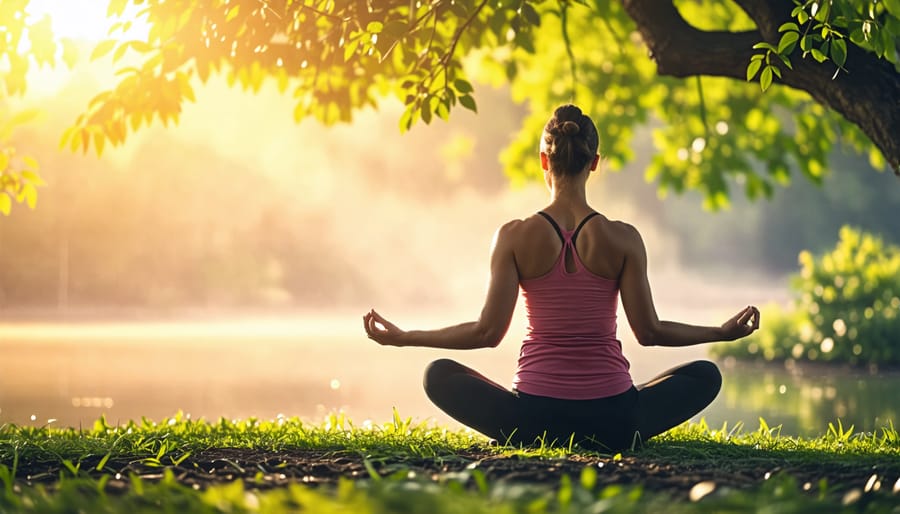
[[846, 308]]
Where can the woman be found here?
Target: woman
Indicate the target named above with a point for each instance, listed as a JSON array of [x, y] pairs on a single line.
[[572, 383]]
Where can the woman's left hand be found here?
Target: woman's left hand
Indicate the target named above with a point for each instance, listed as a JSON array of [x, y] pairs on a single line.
[[381, 330]]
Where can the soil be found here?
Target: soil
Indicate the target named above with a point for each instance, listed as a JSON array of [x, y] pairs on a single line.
[[267, 469]]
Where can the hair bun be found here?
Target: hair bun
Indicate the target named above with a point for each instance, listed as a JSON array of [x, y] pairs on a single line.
[[569, 128]]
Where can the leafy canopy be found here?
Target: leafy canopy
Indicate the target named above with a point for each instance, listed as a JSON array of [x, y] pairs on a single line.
[[338, 56]]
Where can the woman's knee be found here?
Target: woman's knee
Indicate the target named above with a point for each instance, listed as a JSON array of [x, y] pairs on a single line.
[[709, 373], [436, 373]]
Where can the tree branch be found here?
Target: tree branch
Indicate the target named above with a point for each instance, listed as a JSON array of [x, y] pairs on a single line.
[[866, 96]]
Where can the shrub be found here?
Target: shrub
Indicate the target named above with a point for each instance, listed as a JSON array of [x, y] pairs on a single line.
[[846, 308]]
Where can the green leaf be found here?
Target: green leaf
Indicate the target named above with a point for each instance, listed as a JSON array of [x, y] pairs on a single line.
[[396, 28], [374, 27], [789, 26], [787, 43], [824, 10], [99, 142], [140, 46], [103, 48], [786, 61], [818, 55], [406, 119], [512, 69], [839, 52], [468, 102], [497, 22], [802, 16], [893, 7], [120, 52], [70, 52], [30, 194], [33, 177], [531, 15], [443, 111], [463, 86], [764, 46], [102, 462], [806, 43], [765, 79], [753, 69], [116, 7], [350, 48]]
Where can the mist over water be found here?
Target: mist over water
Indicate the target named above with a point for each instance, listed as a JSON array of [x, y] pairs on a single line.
[[239, 207]]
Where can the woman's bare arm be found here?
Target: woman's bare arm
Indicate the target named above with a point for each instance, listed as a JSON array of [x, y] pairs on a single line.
[[648, 328], [487, 331]]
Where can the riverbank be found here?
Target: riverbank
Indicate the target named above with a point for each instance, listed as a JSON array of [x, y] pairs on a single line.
[[244, 465]]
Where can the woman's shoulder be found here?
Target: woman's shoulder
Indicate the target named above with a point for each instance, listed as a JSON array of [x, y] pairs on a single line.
[[520, 226], [622, 228], [536, 225], [520, 233], [617, 233], [611, 227]]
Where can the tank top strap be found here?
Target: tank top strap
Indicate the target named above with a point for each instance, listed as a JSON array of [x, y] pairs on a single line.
[[580, 225], [555, 226]]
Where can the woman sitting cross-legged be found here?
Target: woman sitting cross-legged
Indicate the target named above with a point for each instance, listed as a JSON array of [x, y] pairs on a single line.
[[572, 264]]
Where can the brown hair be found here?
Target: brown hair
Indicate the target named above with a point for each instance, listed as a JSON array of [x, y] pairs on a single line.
[[570, 140]]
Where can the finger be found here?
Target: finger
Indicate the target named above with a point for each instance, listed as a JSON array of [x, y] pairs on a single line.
[[756, 316], [379, 318], [373, 328], [745, 316], [741, 314], [385, 323]]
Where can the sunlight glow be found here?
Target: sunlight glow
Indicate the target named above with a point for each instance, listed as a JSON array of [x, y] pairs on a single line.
[[84, 21]]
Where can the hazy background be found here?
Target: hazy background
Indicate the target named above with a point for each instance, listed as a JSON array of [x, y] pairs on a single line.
[[222, 266]]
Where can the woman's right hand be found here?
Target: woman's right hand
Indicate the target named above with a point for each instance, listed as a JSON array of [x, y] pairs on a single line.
[[741, 324]]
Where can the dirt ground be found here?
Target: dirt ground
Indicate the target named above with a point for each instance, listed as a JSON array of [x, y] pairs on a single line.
[[267, 469]]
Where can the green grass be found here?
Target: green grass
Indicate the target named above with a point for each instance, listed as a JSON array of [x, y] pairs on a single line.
[[84, 460], [173, 437]]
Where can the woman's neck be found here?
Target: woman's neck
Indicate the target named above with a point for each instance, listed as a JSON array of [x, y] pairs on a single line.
[[569, 193]]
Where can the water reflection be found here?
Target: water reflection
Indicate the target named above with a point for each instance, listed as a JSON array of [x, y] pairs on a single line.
[[149, 372], [804, 399]]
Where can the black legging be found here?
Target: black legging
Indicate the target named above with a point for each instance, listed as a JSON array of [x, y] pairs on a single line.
[[605, 424]]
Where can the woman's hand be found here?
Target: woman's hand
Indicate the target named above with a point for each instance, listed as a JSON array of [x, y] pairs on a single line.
[[381, 330], [741, 325]]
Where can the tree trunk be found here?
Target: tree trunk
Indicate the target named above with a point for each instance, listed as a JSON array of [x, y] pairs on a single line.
[[867, 95]]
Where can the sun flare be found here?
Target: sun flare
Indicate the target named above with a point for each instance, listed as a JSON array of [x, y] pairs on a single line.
[[82, 20], [85, 21]]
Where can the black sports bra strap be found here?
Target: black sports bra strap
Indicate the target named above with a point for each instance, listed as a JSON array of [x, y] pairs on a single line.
[[555, 226], [585, 220]]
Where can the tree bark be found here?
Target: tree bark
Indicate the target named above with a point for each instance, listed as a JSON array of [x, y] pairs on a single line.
[[867, 95]]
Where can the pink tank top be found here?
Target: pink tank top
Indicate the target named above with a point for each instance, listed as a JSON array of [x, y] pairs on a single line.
[[571, 351]]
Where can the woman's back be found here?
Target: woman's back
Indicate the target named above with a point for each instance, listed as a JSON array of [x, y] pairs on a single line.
[[571, 350], [600, 244]]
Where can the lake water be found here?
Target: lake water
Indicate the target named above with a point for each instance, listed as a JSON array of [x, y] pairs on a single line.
[[73, 373]]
